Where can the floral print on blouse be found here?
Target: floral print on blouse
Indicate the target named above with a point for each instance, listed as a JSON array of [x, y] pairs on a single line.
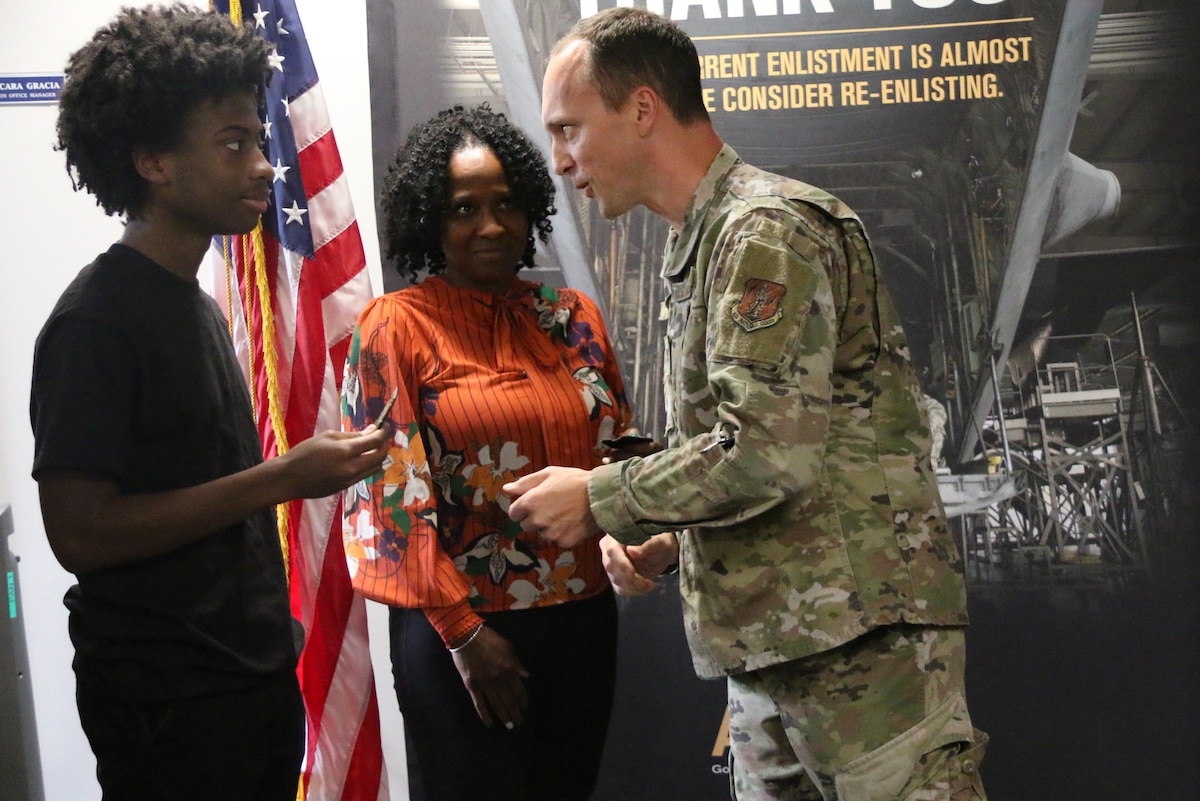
[[490, 388]]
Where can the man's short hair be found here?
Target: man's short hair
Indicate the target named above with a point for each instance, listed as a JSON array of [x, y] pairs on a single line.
[[630, 47], [134, 84]]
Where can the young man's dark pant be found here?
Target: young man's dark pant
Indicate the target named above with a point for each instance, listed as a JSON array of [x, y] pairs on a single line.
[[237, 746]]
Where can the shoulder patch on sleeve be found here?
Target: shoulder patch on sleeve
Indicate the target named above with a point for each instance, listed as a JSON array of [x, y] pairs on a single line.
[[760, 305]]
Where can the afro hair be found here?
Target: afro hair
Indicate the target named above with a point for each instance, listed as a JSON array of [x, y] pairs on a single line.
[[134, 84]]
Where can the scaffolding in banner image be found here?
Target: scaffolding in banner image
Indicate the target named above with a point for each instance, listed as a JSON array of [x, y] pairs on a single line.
[[1067, 503]]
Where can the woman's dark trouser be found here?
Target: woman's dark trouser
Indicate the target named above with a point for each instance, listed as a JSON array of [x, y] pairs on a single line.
[[570, 652], [237, 746]]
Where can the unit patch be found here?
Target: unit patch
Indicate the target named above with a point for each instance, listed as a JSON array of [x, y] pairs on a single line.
[[761, 304]]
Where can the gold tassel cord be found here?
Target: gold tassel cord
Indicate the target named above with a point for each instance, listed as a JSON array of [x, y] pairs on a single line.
[[270, 366], [248, 289], [254, 281], [270, 363]]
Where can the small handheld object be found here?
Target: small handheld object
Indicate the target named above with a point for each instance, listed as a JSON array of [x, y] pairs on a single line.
[[623, 442], [387, 408]]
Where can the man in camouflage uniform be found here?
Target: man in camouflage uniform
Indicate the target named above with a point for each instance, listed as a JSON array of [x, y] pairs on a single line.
[[816, 569]]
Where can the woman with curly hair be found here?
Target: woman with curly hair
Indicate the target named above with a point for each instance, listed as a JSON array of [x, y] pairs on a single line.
[[152, 484], [503, 645]]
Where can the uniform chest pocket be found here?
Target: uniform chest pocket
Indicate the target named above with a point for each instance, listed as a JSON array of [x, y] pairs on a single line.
[[678, 308]]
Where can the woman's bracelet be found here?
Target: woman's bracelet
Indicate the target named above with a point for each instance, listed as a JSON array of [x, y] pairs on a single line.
[[467, 641]]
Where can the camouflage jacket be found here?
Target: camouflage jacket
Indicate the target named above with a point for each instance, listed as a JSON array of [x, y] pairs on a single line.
[[797, 469]]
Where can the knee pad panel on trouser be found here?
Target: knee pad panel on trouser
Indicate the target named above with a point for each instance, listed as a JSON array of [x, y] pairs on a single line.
[[936, 760]]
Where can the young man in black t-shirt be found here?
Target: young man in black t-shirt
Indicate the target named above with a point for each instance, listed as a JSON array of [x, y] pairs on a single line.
[[152, 484]]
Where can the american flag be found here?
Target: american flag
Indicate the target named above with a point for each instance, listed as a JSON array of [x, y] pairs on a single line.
[[300, 311]]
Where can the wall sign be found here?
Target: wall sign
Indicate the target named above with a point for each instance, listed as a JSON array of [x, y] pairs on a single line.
[[25, 89]]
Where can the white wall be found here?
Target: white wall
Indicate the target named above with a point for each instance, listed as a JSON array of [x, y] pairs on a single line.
[[49, 233]]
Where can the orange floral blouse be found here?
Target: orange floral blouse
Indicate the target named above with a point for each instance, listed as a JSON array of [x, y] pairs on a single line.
[[489, 388]]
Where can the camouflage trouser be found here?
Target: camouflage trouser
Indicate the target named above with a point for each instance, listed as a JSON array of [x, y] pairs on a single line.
[[882, 718]]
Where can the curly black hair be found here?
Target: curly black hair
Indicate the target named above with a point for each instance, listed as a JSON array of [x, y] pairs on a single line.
[[415, 194], [133, 85]]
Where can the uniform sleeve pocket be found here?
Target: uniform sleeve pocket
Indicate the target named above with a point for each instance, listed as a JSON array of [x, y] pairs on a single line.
[[762, 312]]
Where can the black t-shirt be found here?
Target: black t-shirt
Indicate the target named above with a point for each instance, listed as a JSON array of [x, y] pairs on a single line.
[[134, 377]]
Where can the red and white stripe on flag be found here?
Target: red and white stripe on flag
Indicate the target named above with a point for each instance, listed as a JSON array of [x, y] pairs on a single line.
[[317, 282]]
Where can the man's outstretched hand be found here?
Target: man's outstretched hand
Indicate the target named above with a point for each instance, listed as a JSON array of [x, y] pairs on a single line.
[[553, 503]]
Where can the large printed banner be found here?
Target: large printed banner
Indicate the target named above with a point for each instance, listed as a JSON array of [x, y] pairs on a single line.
[[920, 114]]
